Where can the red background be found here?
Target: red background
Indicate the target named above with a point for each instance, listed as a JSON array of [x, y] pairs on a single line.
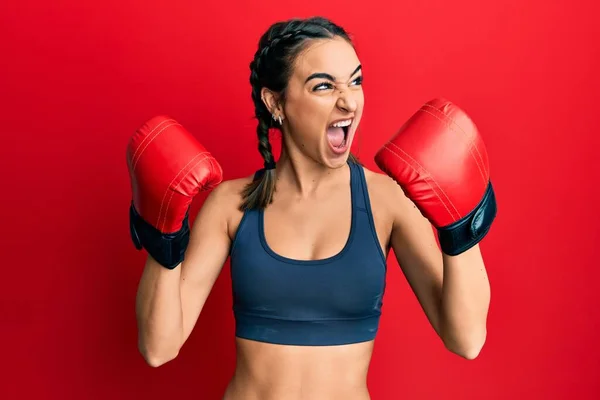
[[77, 77]]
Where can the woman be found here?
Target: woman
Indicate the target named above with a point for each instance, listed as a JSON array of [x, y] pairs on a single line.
[[308, 239]]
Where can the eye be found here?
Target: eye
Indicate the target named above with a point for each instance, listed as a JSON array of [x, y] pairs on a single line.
[[323, 86], [358, 81]]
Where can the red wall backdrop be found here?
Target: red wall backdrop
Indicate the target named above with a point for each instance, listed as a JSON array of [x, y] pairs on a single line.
[[77, 77]]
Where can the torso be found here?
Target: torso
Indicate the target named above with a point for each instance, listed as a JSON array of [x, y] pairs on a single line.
[[321, 229], [274, 372]]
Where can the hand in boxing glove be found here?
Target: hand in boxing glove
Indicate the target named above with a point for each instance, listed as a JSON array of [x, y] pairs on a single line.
[[167, 167], [440, 161]]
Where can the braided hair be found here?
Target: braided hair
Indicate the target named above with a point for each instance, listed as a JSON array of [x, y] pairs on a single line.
[[272, 68]]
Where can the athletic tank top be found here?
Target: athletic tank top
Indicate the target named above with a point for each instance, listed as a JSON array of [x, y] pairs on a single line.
[[331, 301]]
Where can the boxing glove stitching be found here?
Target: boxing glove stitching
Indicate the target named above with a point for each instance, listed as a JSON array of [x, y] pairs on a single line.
[[149, 136], [212, 185], [150, 141], [161, 224], [160, 211], [207, 157], [481, 164], [480, 160], [426, 180], [471, 142], [170, 185], [146, 137], [212, 172], [426, 173]]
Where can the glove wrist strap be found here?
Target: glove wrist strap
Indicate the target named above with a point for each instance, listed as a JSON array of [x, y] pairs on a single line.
[[168, 249], [471, 229]]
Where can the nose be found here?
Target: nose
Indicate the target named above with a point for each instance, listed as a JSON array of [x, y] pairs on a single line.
[[346, 100]]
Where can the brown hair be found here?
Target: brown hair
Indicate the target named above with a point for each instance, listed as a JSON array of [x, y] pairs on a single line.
[[272, 68]]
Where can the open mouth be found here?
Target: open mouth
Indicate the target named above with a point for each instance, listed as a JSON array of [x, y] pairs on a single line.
[[337, 134]]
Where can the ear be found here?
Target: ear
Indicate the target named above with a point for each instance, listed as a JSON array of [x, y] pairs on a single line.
[[271, 101]]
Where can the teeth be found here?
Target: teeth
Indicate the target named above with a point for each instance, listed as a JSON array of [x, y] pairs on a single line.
[[341, 124]]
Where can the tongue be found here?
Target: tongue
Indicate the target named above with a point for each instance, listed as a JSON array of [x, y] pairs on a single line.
[[335, 136]]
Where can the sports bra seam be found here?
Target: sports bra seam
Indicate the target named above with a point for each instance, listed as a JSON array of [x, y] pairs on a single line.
[[238, 233], [347, 248], [370, 218], [376, 315], [356, 225], [242, 223]]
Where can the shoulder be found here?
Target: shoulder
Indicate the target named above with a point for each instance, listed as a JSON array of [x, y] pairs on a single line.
[[227, 196], [385, 192], [379, 182], [225, 199], [388, 197], [229, 191], [411, 234]]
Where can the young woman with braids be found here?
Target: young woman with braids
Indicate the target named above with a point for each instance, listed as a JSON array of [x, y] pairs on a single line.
[[308, 235]]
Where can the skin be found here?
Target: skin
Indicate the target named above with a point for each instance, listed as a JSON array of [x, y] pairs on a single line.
[[311, 181]]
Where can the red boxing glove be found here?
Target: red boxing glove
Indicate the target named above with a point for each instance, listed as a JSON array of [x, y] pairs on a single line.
[[440, 160], [167, 167]]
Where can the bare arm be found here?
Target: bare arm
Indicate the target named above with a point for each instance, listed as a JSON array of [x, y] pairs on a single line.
[[454, 292], [169, 302]]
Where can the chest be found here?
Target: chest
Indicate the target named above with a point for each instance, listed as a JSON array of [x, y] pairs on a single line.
[[315, 259], [309, 230]]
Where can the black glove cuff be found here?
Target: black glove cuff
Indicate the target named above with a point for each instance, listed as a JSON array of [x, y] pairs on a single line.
[[471, 229], [168, 249]]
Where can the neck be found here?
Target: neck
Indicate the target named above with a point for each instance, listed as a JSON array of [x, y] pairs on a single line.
[[304, 175]]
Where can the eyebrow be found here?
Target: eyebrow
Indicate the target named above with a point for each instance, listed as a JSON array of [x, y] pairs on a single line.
[[325, 75]]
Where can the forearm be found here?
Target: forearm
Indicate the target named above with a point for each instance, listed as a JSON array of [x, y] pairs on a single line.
[[465, 302], [159, 313]]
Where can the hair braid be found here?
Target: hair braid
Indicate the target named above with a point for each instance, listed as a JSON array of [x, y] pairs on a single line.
[[271, 67]]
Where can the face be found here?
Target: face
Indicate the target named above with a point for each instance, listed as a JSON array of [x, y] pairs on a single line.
[[324, 102]]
